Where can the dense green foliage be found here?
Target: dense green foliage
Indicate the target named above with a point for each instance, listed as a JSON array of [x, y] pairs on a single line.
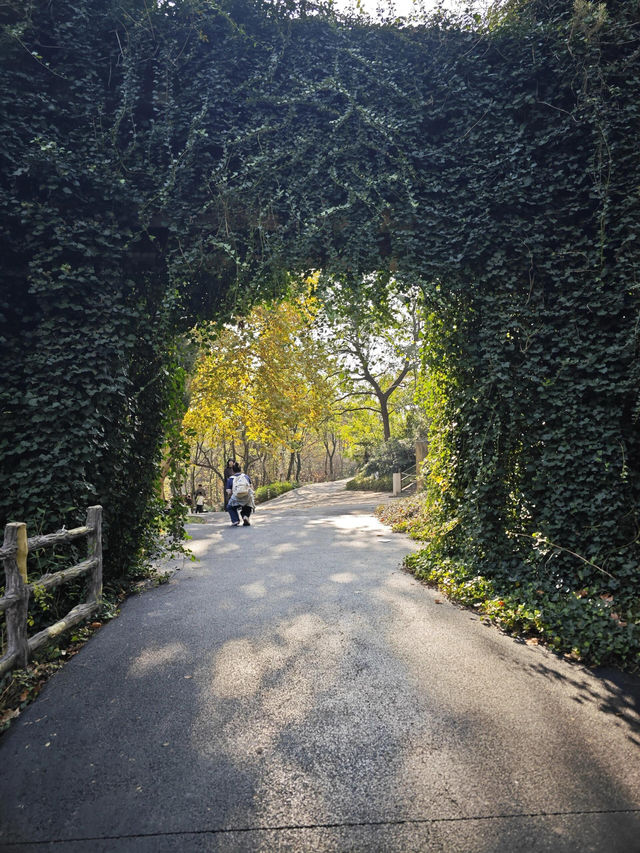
[[393, 455], [91, 378], [167, 162], [533, 382], [272, 490], [377, 474], [372, 483]]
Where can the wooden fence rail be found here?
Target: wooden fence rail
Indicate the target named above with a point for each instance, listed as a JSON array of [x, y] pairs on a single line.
[[409, 478], [15, 601]]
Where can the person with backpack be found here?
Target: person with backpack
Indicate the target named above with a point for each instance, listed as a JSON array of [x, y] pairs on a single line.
[[240, 496], [228, 472]]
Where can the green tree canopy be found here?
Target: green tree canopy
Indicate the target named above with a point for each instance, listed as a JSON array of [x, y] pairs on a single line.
[[375, 335]]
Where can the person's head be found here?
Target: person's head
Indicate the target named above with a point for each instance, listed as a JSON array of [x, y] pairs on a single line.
[[236, 468], [229, 463]]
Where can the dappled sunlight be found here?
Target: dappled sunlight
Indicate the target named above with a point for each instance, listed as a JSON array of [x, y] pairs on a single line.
[[344, 577], [281, 579], [395, 591], [240, 668], [199, 547], [243, 667], [254, 590], [284, 548], [350, 522], [305, 629], [345, 690], [256, 690], [327, 690], [154, 658], [328, 494]]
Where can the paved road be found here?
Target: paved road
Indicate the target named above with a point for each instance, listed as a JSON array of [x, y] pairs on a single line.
[[296, 690]]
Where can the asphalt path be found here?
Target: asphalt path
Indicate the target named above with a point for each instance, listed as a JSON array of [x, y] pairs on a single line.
[[294, 689]]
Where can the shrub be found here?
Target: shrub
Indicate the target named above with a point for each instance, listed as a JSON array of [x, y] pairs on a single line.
[[370, 484], [392, 455], [272, 490], [418, 516]]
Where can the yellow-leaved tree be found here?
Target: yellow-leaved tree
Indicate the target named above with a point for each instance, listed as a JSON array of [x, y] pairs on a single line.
[[261, 391]]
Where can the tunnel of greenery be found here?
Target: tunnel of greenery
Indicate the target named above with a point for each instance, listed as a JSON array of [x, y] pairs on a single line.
[[166, 163]]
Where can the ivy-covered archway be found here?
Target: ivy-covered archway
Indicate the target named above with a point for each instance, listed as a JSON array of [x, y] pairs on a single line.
[[175, 161]]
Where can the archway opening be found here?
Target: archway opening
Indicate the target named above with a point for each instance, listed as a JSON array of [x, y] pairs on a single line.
[[186, 168]]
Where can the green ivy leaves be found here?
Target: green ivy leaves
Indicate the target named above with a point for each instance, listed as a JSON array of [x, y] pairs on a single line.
[[165, 165]]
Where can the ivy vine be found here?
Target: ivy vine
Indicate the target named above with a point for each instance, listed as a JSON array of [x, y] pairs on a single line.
[[171, 162]]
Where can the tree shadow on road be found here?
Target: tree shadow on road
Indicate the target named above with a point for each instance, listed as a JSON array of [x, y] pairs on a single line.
[[610, 690]]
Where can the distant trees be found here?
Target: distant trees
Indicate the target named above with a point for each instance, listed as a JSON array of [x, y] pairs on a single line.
[[307, 380], [374, 333], [263, 392]]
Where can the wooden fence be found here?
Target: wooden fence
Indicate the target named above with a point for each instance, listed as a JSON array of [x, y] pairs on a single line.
[[17, 588]]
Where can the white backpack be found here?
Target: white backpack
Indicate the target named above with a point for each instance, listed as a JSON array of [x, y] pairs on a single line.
[[241, 487]]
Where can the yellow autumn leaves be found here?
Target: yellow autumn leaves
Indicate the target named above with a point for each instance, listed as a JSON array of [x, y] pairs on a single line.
[[265, 379]]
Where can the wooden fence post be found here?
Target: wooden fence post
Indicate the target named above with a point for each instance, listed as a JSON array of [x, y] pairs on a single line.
[[23, 550], [15, 570], [94, 546]]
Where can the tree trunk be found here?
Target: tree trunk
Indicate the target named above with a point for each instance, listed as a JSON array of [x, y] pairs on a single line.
[[329, 456], [384, 414], [292, 459]]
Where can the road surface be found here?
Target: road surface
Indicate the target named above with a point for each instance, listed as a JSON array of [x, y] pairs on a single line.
[[294, 689]]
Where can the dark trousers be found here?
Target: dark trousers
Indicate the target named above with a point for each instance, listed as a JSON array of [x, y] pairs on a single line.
[[245, 512]]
